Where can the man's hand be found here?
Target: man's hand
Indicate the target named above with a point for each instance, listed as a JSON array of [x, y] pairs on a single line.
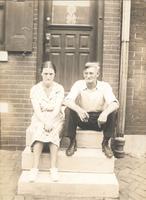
[[84, 116], [102, 119]]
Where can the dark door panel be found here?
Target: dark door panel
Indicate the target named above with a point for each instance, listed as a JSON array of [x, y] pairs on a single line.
[[69, 48], [70, 41]]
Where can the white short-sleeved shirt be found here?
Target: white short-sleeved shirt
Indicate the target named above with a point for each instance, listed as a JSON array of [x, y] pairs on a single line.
[[91, 100]]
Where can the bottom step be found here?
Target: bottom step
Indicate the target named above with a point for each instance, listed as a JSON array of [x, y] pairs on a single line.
[[71, 184]]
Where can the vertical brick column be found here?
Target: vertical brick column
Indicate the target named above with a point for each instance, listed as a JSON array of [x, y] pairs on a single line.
[[111, 42], [136, 90]]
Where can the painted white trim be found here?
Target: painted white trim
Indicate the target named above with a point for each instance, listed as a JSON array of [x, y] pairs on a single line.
[[135, 145], [124, 65], [3, 107], [72, 3]]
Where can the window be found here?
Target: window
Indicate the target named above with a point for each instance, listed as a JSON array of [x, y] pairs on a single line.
[[71, 12]]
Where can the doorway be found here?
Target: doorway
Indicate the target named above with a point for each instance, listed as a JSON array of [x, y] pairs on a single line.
[[72, 37]]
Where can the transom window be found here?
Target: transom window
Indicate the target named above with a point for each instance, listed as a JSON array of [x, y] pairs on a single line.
[[71, 12]]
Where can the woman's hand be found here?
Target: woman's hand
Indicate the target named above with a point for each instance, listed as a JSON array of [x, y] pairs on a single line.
[[48, 127]]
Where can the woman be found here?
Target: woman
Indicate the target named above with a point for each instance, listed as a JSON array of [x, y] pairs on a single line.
[[47, 119]]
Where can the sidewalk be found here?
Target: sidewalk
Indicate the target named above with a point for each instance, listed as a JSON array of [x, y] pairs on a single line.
[[130, 171]]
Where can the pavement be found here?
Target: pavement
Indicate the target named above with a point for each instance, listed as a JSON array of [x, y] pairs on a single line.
[[130, 171]]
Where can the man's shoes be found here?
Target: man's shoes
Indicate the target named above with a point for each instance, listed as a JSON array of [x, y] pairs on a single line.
[[71, 149], [107, 150]]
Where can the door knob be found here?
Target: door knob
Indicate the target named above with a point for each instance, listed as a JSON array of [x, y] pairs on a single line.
[[48, 36], [48, 19]]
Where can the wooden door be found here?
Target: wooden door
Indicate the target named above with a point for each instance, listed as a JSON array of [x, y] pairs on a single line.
[[70, 37]]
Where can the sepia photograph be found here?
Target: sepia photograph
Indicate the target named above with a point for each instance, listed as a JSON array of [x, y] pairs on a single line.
[[72, 99]]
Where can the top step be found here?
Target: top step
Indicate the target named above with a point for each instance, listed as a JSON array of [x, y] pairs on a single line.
[[85, 139]]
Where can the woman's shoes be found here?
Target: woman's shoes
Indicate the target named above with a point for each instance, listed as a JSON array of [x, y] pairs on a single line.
[[54, 174], [33, 174]]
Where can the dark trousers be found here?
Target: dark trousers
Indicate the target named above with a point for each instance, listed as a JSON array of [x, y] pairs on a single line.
[[72, 120]]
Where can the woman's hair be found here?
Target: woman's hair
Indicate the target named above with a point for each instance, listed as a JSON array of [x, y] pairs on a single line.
[[49, 64]]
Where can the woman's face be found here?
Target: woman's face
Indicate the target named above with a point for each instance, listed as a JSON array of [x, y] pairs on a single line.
[[48, 75]]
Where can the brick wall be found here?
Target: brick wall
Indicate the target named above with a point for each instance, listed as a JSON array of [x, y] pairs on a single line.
[[19, 74], [111, 43], [136, 91], [16, 78]]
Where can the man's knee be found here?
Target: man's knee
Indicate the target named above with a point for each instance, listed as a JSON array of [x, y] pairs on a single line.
[[110, 126], [112, 118], [71, 121], [69, 113]]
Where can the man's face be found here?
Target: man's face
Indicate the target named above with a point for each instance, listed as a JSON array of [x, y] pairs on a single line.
[[91, 74], [48, 75]]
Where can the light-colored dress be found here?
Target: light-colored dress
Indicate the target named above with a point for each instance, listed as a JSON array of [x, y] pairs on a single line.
[[46, 104]]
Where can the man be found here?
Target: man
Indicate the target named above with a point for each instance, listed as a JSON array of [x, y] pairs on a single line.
[[91, 105]]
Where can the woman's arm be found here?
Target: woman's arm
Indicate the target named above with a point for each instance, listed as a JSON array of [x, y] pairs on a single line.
[[58, 102], [35, 96], [37, 110]]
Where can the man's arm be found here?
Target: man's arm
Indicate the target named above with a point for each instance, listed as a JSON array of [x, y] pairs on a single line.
[[108, 110], [70, 101], [72, 105], [80, 111]]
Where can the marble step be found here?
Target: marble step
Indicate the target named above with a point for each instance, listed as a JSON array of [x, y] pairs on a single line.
[[85, 138], [70, 184], [84, 160]]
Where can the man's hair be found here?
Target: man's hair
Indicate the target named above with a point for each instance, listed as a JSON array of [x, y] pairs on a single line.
[[49, 64], [92, 64]]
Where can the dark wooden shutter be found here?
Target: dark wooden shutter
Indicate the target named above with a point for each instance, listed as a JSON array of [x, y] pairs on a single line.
[[2, 33], [19, 25]]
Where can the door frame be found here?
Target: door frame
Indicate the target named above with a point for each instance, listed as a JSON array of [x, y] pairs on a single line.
[[43, 20]]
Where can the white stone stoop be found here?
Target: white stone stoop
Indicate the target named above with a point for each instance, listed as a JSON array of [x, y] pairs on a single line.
[[88, 173]]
